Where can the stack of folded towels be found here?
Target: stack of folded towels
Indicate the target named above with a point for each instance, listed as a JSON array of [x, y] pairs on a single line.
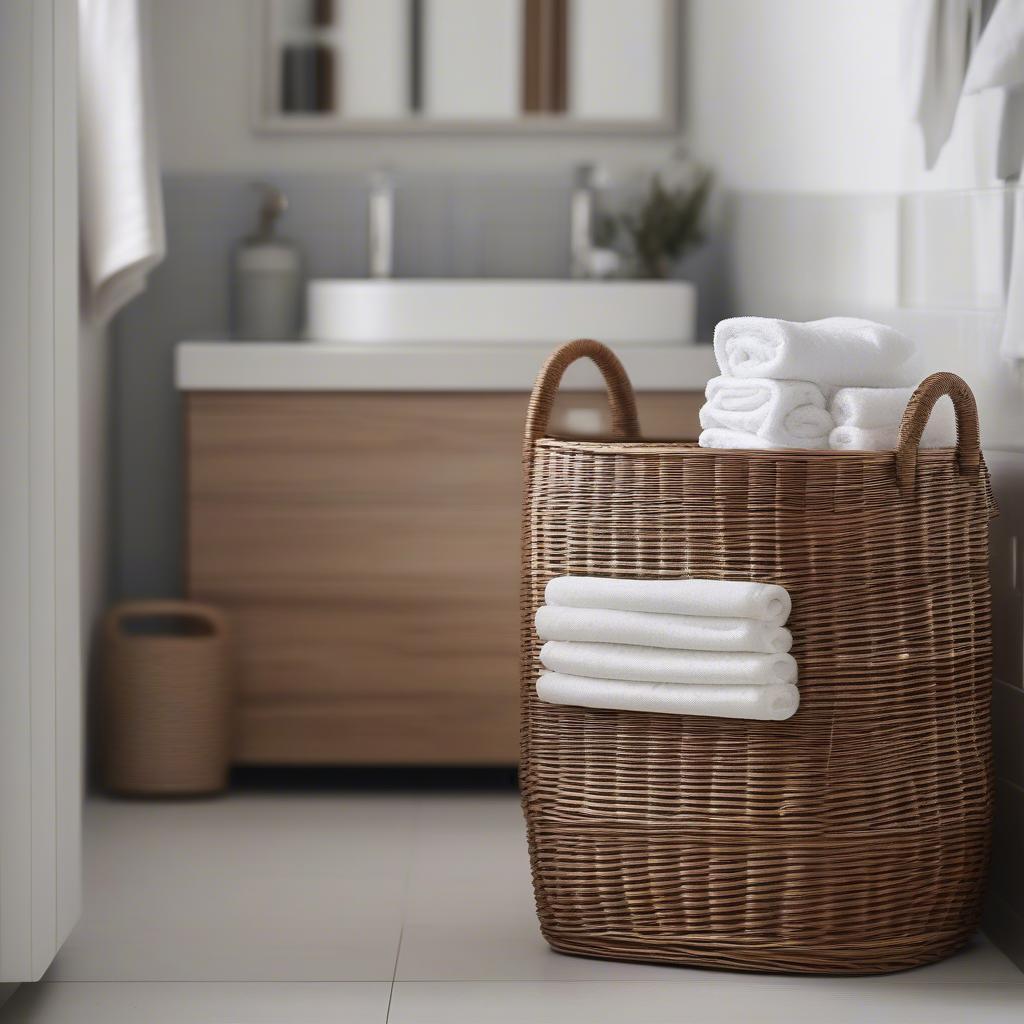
[[837, 383], [717, 648]]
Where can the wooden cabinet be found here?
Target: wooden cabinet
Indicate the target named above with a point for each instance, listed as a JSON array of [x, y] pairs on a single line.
[[366, 546]]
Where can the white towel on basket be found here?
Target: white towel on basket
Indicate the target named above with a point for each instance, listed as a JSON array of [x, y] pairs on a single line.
[[719, 437], [868, 419], [836, 351], [650, 629], [775, 702], [740, 599], [787, 413], [659, 665]]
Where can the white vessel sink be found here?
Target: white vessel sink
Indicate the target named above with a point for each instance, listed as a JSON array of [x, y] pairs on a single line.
[[488, 311]]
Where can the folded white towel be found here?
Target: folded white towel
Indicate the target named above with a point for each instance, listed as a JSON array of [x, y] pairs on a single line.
[[649, 629], [833, 352], [868, 419], [658, 665], [773, 703], [884, 439], [718, 437], [788, 413], [731, 599]]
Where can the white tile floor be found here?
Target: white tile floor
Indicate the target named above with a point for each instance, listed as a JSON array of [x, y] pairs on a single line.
[[402, 908]]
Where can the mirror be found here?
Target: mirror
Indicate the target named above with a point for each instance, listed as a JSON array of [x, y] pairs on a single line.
[[397, 65]]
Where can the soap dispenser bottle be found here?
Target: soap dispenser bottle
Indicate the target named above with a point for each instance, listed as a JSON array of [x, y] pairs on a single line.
[[267, 278]]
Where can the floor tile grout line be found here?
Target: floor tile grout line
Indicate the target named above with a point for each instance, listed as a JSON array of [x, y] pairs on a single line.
[[394, 975], [406, 890]]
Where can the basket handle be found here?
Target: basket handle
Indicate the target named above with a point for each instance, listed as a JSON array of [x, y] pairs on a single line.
[[620, 391], [205, 614], [915, 419]]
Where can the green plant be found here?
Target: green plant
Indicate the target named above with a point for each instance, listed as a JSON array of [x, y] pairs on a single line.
[[666, 225]]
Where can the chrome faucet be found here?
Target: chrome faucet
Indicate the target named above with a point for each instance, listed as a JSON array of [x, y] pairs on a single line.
[[581, 220], [382, 224]]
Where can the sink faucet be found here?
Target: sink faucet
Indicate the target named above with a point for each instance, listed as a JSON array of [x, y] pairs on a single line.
[[382, 224], [581, 220]]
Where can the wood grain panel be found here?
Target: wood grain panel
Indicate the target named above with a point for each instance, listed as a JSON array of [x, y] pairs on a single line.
[[366, 547]]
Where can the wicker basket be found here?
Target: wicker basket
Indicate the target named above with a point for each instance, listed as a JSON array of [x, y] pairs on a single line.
[[166, 699], [852, 838]]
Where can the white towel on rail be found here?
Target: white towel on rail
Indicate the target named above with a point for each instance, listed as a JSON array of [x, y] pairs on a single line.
[[121, 206], [787, 413], [739, 599], [773, 703], [650, 629], [838, 351], [658, 665]]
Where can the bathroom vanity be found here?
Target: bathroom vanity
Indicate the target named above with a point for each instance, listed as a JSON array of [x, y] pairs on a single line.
[[355, 509]]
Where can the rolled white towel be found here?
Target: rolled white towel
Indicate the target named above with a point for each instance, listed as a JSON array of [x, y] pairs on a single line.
[[868, 419], [773, 703], [719, 437], [884, 439], [837, 351], [658, 665], [650, 629], [730, 599], [788, 413]]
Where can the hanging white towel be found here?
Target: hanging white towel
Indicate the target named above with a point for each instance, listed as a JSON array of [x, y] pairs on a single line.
[[835, 352], [121, 208], [656, 665], [649, 629], [786, 413], [773, 703], [737, 599], [868, 419], [938, 36]]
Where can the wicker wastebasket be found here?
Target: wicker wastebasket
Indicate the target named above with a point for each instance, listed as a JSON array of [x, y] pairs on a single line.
[[852, 838], [166, 701]]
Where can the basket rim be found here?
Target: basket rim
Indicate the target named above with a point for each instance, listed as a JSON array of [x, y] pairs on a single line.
[[669, 446]]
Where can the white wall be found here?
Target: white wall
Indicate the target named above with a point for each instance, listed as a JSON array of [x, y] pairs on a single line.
[[807, 96], [795, 95]]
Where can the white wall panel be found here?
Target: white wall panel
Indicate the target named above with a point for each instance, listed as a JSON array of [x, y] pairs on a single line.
[[40, 655]]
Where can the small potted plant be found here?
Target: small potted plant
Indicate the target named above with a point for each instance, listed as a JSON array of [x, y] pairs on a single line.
[[663, 226]]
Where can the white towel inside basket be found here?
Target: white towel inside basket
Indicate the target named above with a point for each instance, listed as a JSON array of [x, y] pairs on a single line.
[[652, 629], [687, 647], [741, 599], [657, 665], [774, 703]]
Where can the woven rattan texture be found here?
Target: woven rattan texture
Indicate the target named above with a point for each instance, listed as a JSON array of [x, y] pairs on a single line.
[[852, 838], [166, 703]]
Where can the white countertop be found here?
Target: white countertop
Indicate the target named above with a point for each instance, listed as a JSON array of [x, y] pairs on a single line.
[[304, 366]]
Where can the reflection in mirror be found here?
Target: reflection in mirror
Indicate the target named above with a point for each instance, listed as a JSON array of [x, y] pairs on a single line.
[[396, 64]]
